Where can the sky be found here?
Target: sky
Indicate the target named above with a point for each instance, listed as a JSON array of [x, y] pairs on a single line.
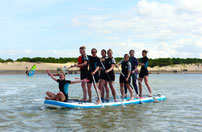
[[57, 28]]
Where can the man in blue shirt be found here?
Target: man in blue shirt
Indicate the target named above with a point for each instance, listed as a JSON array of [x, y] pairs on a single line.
[[134, 65]]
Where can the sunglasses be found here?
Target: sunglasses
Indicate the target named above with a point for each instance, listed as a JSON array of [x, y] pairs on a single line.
[[93, 52]]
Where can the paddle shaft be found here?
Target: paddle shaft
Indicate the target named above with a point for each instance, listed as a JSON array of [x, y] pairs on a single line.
[[112, 84], [130, 86], [98, 93]]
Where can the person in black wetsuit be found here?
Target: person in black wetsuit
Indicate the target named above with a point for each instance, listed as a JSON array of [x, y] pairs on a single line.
[[94, 65], [27, 71], [109, 76], [83, 65], [103, 84], [144, 73], [63, 94], [125, 76]]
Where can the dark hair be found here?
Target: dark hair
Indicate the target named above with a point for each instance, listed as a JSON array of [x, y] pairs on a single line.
[[126, 55], [94, 49], [82, 47], [132, 51], [145, 51], [104, 51]]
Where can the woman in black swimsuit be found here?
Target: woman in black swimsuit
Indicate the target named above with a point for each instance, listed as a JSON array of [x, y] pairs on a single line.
[[144, 61]]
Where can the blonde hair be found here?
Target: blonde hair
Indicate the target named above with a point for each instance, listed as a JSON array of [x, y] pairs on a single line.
[[82, 47], [109, 50]]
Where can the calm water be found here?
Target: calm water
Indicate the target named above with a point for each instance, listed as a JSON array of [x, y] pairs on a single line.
[[22, 109]]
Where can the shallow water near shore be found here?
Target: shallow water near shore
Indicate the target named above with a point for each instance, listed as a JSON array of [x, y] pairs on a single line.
[[22, 107]]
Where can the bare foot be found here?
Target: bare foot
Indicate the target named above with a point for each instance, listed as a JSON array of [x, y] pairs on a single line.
[[140, 95], [116, 100], [106, 98], [150, 95], [84, 100], [131, 98], [89, 100], [98, 101], [46, 98]]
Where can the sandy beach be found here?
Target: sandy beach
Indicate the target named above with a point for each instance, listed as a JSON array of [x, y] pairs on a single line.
[[19, 68]]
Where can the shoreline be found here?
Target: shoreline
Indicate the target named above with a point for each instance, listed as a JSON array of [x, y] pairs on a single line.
[[43, 72], [15, 68]]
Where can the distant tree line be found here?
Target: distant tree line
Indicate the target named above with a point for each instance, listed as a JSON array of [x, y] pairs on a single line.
[[152, 62]]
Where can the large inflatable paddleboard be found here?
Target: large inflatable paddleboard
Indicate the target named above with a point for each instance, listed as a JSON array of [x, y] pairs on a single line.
[[79, 104]]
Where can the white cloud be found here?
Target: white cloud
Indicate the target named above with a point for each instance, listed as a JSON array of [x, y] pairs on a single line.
[[166, 30]]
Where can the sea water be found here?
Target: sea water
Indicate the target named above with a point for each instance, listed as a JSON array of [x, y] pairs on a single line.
[[22, 108]]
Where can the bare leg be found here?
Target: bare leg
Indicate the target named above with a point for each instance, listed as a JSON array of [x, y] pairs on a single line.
[[50, 95], [101, 87], [97, 91], [140, 87], [60, 97], [83, 85], [130, 90], [147, 84], [113, 90], [89, 92], [107, 91], [122, 90]]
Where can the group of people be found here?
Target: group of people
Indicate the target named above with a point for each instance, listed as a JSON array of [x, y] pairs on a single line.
[[99, 71]]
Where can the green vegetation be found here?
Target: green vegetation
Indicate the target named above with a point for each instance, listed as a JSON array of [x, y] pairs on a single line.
[[152, 62]]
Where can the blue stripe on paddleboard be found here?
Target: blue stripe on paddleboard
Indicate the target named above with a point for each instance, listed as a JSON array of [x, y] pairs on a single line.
[[75, 104]]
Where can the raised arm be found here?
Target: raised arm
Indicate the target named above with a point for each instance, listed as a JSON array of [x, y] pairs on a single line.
[[51, 75], [79, 81]]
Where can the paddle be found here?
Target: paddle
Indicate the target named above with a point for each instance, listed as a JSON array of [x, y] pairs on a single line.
[[131, 86], [97, 90], [112, 84], [95, 85]]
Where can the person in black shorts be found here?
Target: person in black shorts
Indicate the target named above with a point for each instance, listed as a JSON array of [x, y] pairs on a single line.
[[94, 65], [83, 65], [109, 76], [63, 87], [125, 75], [103, 84], [144, 73]]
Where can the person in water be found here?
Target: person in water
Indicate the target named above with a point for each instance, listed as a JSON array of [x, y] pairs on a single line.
[[144, 61], [93, 74], [109, 76], [125, 75], [83, 65], [27, 71], [63, 94], [103, 84], [134, 65]]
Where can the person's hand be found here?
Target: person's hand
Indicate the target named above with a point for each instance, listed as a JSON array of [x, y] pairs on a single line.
[[106, 71], [48, 72], [133, 72], [126, 79], [85, 80], [92, 73]]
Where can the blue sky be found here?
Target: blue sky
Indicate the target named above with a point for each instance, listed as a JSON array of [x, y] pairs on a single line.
[[57, 28]]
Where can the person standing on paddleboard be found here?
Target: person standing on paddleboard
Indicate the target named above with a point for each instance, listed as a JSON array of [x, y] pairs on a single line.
[[144, 73], [83, 65], [109, 76], [134, 65], [63, 87], [125, 75], [103, 84], [94, 65]]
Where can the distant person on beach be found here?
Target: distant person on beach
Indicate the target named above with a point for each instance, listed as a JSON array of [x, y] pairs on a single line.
[[125, 76], [144, 61], [27, 71], [103, 85], [83, 65], [109, 76], [93, 75], [134, 65], [63, 87]]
